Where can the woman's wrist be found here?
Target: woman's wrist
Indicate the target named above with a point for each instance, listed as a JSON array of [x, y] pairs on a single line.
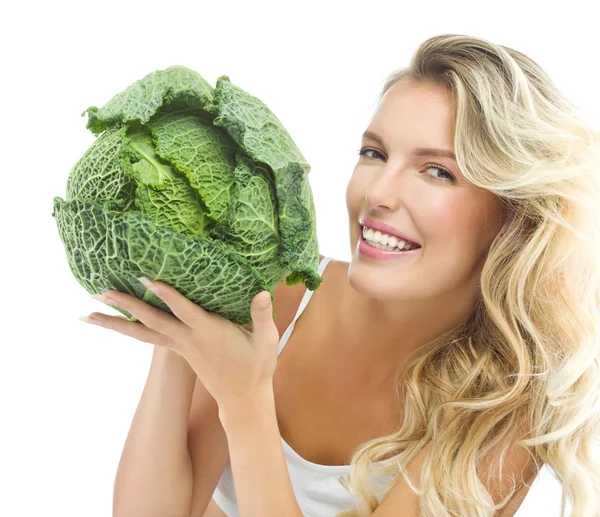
[[172, 362]]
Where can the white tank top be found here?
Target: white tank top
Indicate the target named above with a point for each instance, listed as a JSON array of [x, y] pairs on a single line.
[[317, 487]]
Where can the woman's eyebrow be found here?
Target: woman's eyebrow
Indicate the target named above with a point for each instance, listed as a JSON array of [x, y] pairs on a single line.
[[419, 151]]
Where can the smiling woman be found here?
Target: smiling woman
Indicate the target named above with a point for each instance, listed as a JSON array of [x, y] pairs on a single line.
[[435, 383], [482, 328]]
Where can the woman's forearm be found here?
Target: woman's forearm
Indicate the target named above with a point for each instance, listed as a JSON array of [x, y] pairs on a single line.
[[262, 481], [155, 476]]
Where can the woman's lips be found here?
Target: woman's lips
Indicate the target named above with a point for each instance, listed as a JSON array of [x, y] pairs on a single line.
[[385, 228]]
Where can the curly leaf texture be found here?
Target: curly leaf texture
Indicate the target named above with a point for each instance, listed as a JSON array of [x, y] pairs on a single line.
[[200, 188]]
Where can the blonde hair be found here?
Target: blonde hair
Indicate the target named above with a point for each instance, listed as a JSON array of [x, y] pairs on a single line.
[[526, 361]]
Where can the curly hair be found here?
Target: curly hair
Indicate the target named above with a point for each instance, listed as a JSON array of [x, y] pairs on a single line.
[[527, 358]]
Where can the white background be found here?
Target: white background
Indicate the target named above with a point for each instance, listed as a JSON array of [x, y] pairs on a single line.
[[69, 390]]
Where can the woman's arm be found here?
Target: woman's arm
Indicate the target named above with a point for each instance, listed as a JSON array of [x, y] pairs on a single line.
[[154, 476], [262, 482]]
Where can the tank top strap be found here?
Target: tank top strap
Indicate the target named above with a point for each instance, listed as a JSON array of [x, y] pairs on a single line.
[[303, 303]]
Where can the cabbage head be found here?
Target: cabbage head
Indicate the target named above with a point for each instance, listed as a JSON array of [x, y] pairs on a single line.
[[199, 187]]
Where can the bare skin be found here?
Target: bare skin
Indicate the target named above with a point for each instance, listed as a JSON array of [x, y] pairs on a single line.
[[334, 384]]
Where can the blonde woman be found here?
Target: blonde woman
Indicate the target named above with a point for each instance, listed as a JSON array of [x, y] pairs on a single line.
[[433, 382]]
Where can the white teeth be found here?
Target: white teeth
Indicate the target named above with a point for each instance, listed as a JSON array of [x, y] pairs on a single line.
[[382, 240], [382, 247]]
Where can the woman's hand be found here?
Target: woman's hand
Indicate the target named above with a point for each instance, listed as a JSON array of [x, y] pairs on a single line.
[[232, 363]]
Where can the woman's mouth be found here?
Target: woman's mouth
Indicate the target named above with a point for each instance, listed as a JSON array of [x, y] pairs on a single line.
[[374, 249]]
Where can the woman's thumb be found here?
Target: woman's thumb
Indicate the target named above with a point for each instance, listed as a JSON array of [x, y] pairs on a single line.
[[261, 310]]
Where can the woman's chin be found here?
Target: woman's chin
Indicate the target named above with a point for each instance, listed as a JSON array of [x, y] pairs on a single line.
[[370, 283]]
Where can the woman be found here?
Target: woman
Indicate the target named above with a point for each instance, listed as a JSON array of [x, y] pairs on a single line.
[[441, 380]]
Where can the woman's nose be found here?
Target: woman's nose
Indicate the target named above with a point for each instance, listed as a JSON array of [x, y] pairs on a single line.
[[382, 195]]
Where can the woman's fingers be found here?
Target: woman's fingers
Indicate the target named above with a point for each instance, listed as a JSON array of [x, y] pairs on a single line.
[[135, 330], [153, 318], [185, 309]]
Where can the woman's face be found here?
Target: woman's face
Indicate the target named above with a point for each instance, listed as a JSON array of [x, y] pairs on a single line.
[[453, 220]]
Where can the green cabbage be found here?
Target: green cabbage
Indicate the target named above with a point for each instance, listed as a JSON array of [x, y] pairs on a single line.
[[198, 187]]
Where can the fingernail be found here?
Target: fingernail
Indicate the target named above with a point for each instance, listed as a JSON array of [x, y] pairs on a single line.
[[148, 285], [264, 300], [87, 319], [104, 299]]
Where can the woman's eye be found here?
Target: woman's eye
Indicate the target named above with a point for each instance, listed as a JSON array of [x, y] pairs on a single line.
[[365, 150], [449, 175]]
